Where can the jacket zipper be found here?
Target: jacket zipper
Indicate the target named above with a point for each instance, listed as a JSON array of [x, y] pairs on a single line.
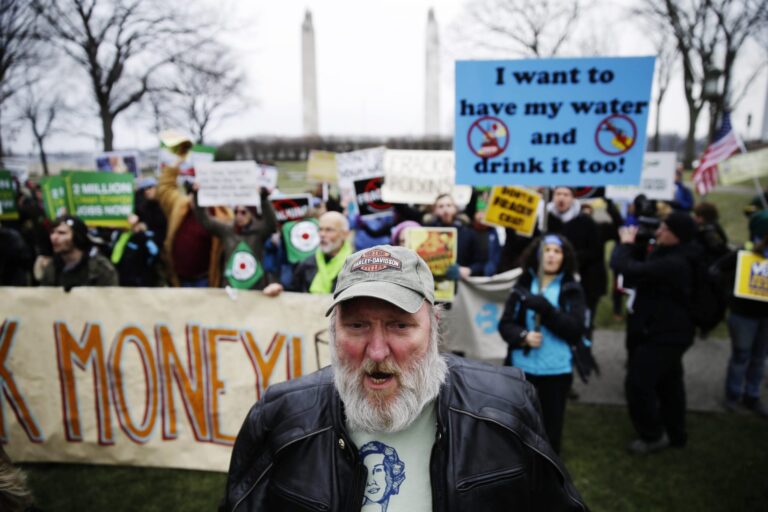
[[557, 467], [468, 484], [270, 466]]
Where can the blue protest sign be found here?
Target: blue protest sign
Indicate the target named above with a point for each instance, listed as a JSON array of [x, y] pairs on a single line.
[[574, 122]]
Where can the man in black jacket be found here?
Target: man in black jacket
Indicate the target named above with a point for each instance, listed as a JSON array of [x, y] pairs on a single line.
[[659, 331], [391, 424], [565, 216]]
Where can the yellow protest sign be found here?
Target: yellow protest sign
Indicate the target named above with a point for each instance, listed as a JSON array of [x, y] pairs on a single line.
[[438, 247], [513, 207], [321, 166], [743, 167], [751, 277]]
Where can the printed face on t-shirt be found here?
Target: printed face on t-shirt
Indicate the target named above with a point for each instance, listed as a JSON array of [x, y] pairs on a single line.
[[376, 484]]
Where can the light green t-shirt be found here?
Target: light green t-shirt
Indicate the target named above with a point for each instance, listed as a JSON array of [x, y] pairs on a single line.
[[398, 466]]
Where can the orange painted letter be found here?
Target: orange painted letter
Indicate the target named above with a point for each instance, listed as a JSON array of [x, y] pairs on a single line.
[[9, 388], [88, 351], [142, 432], [191, 385]]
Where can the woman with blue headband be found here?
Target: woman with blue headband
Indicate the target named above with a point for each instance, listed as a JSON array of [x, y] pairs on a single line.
[[544, 316]]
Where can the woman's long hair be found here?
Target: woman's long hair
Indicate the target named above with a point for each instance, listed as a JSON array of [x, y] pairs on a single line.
[[529, 258]]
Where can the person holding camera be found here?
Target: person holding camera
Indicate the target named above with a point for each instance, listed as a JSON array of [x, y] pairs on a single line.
[[660, 329]]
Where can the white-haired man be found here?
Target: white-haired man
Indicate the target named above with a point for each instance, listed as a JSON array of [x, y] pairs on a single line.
[[464, 435], [317, 273]]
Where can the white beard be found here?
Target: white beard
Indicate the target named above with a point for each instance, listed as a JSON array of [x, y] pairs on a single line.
[[369, 412]]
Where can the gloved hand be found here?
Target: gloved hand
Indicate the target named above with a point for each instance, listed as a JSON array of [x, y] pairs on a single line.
[[538, 304], [453, 272], [519, 294]]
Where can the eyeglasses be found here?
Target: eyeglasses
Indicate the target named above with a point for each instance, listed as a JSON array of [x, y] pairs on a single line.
[[241, 212]]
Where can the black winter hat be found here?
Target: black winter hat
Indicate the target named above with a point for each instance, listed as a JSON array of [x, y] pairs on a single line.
[[758, 224], [79, 231], [682, 225]]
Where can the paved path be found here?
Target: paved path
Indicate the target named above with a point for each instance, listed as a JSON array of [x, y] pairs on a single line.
[[704, 365]]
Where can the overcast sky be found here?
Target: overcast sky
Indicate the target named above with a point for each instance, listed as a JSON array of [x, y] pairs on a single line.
[[370, 72]]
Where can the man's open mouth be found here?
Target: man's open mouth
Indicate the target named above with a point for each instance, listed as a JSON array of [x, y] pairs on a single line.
[[380, 377]]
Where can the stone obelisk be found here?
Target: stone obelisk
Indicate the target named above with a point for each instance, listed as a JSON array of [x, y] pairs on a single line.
[[309, 76], [432, 79]]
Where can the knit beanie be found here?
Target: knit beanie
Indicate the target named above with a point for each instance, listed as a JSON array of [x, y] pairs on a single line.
[[79, 231], [682, 225], [758, 224], [395, 237]]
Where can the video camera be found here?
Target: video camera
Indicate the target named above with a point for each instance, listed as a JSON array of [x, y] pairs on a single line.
[[648, 222]]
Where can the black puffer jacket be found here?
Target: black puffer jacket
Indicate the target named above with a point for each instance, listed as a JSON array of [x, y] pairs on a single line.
[[490, 453], [663, 282]]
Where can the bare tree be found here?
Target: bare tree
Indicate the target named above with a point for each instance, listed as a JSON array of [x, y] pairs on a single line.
[[708, 35], [19, 49], [537, 28], [40, 109], [666, 60], [738, 21], [124, 46], [207, 89]]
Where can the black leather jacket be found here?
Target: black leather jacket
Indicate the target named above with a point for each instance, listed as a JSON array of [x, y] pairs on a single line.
[[293, 452]]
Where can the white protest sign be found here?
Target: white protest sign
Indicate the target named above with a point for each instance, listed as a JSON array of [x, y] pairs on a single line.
[[357, 165], [418, 177], [267, 176], [228, 183], [657, 179], [743, 167]]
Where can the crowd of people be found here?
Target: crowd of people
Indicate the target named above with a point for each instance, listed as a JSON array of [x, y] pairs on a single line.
[[548, 319]]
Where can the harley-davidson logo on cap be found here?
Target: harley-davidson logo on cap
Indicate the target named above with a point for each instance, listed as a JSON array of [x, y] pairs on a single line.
[[376, 260]]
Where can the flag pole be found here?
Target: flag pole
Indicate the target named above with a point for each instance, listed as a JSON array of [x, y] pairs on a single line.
[[760, 193]]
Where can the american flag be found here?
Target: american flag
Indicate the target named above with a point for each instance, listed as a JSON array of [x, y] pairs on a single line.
[[725, 144]]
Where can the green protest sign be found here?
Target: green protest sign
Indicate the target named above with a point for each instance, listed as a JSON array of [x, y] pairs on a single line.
[[8, 208], [243, 270], [100, 198], [301, 239], [54, 196]]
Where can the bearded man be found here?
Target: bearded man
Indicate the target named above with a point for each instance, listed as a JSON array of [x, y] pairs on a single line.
[[449, 434], [317, 273]]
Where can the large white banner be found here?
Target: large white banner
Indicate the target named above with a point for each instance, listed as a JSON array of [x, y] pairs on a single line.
[[149, 377], [165, 376], [471, 326]]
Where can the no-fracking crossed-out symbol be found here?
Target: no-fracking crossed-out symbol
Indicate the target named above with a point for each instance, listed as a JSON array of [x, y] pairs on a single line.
[[615, 135], [488, 137], [375, 184]]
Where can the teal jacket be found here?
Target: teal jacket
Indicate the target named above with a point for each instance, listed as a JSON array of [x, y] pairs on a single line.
[[562, 320]]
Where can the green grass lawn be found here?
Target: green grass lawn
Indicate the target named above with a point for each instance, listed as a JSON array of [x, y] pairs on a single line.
[[723, 469]]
